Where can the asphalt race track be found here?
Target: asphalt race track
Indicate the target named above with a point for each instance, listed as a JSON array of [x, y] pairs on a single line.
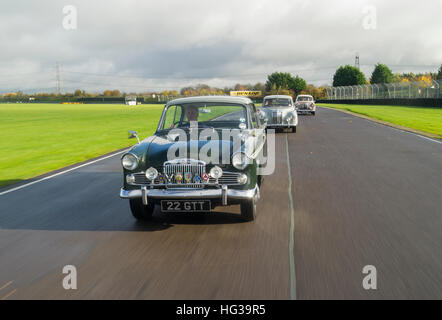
[[363, 194]]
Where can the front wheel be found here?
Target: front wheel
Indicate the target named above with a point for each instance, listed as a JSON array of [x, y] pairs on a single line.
[[294, 129], [140, 211], [248, 209], [313, 113]]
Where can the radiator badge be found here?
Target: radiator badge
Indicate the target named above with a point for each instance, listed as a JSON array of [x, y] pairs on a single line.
[[188, 177], [197, 179], [205, 177], [169, 177], [178, 177]]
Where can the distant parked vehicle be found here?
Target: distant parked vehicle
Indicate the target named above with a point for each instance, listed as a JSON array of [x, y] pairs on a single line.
[[305, 104], [279, 112]]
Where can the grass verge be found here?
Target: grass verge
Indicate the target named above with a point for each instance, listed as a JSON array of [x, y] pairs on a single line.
[[423, 120], [38, 138]]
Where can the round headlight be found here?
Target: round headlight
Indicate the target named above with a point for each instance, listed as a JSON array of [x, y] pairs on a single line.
[[151, 174], [240, 160], [216, 172], [129, 161], [289, 116]]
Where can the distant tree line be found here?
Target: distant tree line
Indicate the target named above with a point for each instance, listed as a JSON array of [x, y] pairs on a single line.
[[351, 76], [282, 83]]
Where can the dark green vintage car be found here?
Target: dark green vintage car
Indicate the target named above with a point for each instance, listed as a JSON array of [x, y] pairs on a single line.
[[205, 153]]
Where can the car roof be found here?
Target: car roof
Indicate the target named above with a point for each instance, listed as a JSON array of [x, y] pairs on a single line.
[[220, 99], [305, 95], [277, 96]]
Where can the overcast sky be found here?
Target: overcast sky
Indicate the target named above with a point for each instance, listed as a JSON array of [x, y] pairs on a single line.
[[152, 45]]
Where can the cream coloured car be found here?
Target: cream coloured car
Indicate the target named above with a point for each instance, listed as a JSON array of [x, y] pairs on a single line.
[[305, 104]]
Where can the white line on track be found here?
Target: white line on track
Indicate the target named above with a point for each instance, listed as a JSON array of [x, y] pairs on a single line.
[[409, 132], [60, 173], [7, 284], [292, 228]]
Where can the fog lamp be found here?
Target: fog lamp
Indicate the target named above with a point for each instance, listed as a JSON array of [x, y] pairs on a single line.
[[242, 178], [151, 174], [216, 172]]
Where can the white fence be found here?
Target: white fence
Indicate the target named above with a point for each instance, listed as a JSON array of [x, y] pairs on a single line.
[[403, 90]]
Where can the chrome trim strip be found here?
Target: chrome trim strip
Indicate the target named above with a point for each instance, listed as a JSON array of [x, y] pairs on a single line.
[[224, 195], [162, 117], [144, 195]]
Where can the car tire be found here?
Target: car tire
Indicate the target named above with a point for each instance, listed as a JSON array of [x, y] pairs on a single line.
[[260, 181], [248, 209], [293, 129], [313, 113], [140, 211]]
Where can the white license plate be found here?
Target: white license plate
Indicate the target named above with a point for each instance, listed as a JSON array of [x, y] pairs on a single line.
[[185, 205]]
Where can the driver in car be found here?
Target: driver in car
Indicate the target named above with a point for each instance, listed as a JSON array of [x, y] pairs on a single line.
[[192, 112]]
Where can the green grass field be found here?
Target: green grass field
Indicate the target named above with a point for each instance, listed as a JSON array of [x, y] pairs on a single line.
[[423, 119], [38, 138]]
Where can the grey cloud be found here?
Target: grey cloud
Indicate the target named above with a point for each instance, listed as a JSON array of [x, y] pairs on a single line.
[[176, 43]]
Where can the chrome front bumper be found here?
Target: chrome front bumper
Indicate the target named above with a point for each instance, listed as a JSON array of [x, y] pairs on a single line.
[[223, 194], [281, 125], [305, 111]]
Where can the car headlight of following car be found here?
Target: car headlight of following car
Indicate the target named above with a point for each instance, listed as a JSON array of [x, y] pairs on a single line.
[[216, 172], [289, 117], [151, 174], [240, 160], [129, 161]]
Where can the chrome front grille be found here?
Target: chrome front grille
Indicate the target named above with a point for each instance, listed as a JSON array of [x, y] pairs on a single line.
[[228, 178], [276, 117], [140, 179], [182, 166]]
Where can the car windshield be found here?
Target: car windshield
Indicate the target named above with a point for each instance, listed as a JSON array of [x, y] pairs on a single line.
[[211, 115], [276, 102], [302, 99]]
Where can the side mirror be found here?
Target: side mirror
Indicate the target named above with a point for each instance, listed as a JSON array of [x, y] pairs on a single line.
[[133, 134]]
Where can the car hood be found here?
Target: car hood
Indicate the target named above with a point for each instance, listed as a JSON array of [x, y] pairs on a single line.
[[154, 151]]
